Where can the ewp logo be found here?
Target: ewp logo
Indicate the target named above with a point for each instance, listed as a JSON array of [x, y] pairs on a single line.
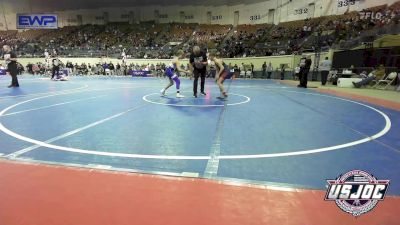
[[37, 21]]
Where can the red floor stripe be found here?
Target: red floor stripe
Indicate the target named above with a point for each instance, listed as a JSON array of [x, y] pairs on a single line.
[[39, 194], [367, 99], [372, 100]]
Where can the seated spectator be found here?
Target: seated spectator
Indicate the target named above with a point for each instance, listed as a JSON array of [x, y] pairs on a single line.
[[364, 74], [377, 74], [35, 69], [111, 67]]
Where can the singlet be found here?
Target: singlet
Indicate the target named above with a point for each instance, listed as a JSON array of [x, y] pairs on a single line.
[[225, 67], [170, 70], [172, 66]]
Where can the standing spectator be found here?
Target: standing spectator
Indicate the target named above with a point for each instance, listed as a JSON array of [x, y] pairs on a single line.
[[398, 82], [305, 65], [325, 67], [198, 62], [11, 60], [118, 69], [264, 69], [47, 59], [296, 72], [243, 68], [89, 69], [76, 67], [100, 69], [282, 71], [93, 70], [69, 67], [269, 70], [56, 67], [84, 69], [106, 70], [159, 71], [111, 67], [252, 70], [35, 69], [123, 56], [29, 68]]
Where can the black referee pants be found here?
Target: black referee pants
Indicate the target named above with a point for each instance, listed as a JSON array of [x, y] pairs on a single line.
[[13, 70], [56, 69], [202, 75]]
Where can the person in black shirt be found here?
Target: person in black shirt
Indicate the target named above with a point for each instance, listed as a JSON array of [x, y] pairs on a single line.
[[264, 69], [11, 60], [118, 68], [56, 67], [305, 65], [283, 71], [252, 70], [29, 67], [198, 63], [111, 67]]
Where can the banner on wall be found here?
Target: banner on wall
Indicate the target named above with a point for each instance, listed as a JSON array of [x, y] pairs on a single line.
[[368, 15], [139, 73], [37, 21]]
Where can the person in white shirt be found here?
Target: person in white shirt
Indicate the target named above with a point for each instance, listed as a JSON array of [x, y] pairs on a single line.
[[325, 67], [296, 72], [123, 55], [269, 70], [46, 59]]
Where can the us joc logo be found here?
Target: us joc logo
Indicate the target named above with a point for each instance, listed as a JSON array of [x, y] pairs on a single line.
[[356, 192]]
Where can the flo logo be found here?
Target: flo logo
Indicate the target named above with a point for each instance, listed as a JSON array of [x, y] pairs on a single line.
[[356, 192]]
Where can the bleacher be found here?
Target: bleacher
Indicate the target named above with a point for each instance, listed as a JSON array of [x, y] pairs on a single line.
[[159, 40]]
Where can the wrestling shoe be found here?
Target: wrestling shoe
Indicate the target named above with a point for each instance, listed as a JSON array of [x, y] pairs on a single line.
[[202, 93], [162, 92], [178, 95], [356, 85]]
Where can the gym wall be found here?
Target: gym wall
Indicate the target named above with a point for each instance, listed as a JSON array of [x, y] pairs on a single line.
[[270, 11]]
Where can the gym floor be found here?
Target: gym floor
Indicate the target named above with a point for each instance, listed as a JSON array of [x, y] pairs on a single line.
[[111, 150]]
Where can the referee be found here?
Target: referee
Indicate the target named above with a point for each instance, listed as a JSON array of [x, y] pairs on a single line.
[[305, 65], [56, 67], [198, 63], [12, 68]]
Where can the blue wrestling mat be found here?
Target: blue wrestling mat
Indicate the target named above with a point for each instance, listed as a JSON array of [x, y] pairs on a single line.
[[264, 133]]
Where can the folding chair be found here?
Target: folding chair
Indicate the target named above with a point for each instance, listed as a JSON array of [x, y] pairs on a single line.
[[249, 74], [390, 79], [242, 74]]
